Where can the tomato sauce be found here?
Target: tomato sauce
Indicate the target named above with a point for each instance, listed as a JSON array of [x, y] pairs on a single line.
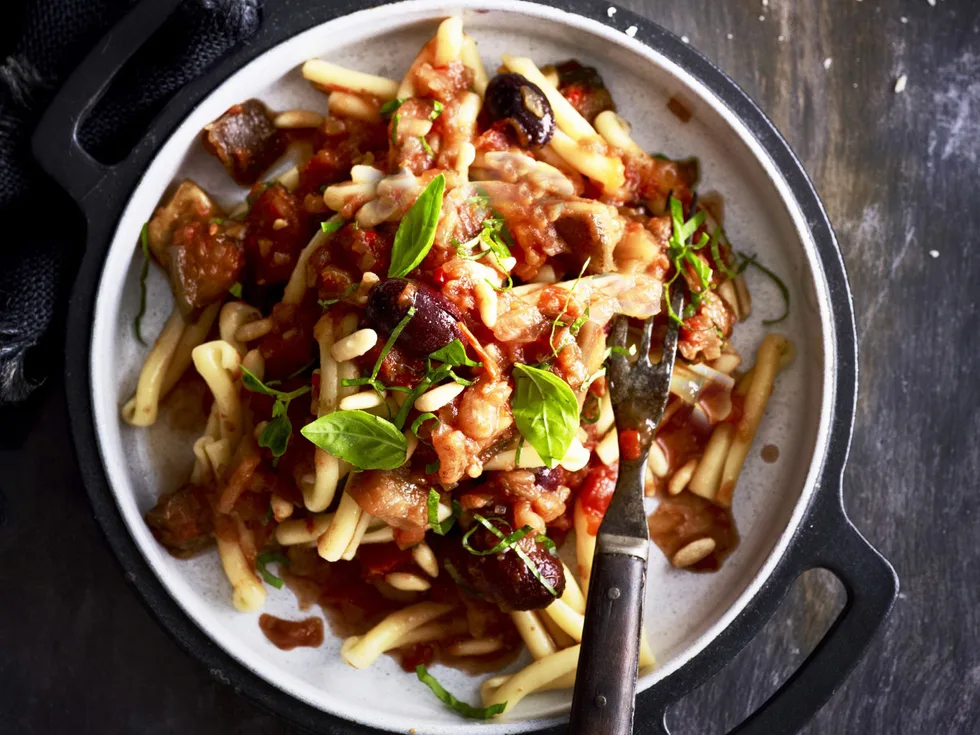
[[289, 634], [681, 519]]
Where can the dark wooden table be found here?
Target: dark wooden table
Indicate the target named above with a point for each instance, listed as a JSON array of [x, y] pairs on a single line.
[[898, 173]]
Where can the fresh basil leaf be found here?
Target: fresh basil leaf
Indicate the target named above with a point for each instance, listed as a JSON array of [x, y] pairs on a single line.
[[557, 322], [454, 354], [331, 225], [252, 383], [390, 106], [417, 230], [440, 528], [467, 710], [437, 108], [275, 435], [236, 290], [545, 411], [368, 442], [144, 272], [269, 558]]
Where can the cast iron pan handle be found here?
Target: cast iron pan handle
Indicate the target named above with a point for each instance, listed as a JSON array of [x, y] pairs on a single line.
[[55, 143], [829, 541]]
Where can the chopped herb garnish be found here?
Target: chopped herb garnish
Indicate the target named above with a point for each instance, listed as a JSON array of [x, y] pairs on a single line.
[[432, 467], [441, 528], [270, 557], [591, 409], [417, 230], [331, 225], [509, 541], [422, 418], [481, 199], [236, 290], [557, 322], [144, 272], [347, 292], [718, 256], [425, 146], [437, 108], [390, 106], [275, 435], [752, 260], [497, 238], [682, 253], [501, 289], [467, 710], [394, 128]]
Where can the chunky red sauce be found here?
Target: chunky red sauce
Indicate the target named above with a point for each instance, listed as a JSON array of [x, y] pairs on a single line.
[[596, 493], [289, 634], [681, 519]]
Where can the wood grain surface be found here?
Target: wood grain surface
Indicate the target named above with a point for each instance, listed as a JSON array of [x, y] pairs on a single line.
[[898, 172]]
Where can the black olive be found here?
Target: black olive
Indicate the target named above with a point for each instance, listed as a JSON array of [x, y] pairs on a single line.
[[434, 324], [522, 104]]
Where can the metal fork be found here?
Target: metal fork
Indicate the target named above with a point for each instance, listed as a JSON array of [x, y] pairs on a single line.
[[605, 685]]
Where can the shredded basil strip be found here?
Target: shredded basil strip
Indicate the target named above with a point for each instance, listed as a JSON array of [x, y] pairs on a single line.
[[437, 108], [390, 106], [366, 441], [568, 299], [417, 230], [505, 541], [432, 467], [545, 411], [496, 237], [591, 409], [502, 289], [425, 146], [441, 528], [752, 260], [718, 256], [144, 272], [347, 292], [394, 128], [509, 545], [269, 557], [417, 424], [517, 453], [682, 252], [331, 225], [467, 710], [236, 290]]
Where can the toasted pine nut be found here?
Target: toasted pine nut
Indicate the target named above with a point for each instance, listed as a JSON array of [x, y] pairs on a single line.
[[299, 119], [279, 224], [486, 300], [425, 558], [407, 582], [693, 552], [363, 400], [436, 398], [354, 345], [658, 460]]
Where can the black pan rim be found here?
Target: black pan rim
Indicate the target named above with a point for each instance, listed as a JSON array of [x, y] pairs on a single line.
[[284, 19]]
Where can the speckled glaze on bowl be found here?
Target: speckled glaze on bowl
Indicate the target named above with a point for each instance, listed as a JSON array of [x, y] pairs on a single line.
[[685, 613]]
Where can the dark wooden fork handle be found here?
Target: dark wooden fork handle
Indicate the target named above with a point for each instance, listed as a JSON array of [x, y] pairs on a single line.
[[605, 690]]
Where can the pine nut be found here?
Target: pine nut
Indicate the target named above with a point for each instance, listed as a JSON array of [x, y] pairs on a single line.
[[363, 400], [299, 119], [355, 345], [436, 398], [407, 582]]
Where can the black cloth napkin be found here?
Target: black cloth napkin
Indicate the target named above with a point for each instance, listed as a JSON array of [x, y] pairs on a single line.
[[41, 42]]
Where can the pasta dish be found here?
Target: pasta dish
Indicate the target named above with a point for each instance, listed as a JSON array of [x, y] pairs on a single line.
[[400, 343]]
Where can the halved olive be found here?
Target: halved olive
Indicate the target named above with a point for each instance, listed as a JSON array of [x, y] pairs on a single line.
[[522, 104], [435, 322]]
